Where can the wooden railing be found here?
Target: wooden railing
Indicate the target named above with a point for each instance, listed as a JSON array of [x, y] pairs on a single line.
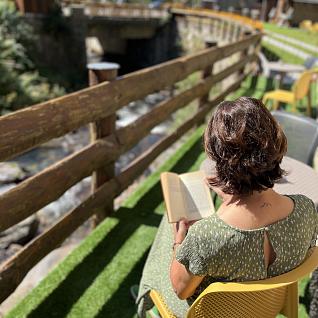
[[130, 11], [25, 129], [225, 16], [95, 8]]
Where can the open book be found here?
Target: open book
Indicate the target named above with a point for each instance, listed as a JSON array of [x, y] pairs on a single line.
[[186, 196]]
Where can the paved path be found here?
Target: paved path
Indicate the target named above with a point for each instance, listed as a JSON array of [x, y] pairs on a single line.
[[290, 40], [290, 49]]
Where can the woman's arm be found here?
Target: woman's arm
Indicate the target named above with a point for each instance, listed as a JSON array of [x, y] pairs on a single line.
[[183, 282]]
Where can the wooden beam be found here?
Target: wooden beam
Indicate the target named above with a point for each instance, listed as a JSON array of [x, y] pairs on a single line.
[[98, 73], [27, 128], [47, 186], [207, 72], [128, 136], [143, 161]]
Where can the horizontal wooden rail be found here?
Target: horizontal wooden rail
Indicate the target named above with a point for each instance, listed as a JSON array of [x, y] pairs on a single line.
[[139, 165], [67, 172], [14, 269], [57, 178], [129, 135], [27, 128]]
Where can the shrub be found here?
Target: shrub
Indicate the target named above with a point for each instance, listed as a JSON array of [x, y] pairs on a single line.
[[20, 84]]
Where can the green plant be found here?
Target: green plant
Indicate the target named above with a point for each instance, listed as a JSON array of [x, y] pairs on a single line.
[[20, 84]]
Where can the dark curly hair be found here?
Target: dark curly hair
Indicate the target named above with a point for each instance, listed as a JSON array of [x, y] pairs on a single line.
[[247, 145]]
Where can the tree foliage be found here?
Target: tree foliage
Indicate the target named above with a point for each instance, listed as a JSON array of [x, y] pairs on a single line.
[[20, 84]]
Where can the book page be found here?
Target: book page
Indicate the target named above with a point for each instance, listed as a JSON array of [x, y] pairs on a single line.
[[171, 188], [196, 195]]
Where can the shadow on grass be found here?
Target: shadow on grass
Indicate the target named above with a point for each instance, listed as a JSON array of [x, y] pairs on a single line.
[[121, 304], [60, 302]]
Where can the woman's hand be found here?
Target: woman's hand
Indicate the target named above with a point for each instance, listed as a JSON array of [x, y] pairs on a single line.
[[181, 229]]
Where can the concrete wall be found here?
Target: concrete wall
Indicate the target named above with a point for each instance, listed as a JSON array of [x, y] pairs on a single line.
[[141, 53], [135, 44]]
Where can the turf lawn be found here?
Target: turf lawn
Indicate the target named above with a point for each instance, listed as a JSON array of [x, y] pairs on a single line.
[[94, 280], [283, 55], [296, 33]]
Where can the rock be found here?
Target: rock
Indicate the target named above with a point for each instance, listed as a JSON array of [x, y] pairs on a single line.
[[11, 250], [69, 200], [11, 172], [154, 99], [21, 233]]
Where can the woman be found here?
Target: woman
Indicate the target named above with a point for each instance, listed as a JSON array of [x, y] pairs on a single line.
[[256, 233]]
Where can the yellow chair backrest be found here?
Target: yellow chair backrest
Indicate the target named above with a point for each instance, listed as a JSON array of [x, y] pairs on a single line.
[[264, 298], [315, 27], [302, 85], [306, 24]]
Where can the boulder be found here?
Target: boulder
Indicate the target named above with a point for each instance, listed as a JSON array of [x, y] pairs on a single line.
[[11, 172], [20, 233]]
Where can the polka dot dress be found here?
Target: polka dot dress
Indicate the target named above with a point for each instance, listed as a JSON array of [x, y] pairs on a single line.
[[221, 252]]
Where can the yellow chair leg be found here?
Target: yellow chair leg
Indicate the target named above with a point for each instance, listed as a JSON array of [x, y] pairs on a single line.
[[309, 108], [275, 104], [264, 100], [294, 108], [290, 309]]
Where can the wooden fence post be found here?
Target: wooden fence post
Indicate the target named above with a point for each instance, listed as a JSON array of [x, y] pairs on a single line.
[[101, 72], [225, 31], [245, 52], [255, 75], [207, 72]]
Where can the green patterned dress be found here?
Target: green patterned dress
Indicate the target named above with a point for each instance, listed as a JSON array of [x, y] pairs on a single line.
[[221, 252]]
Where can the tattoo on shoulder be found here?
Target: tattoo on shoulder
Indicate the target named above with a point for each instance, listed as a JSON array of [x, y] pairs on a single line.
[[265, 205]]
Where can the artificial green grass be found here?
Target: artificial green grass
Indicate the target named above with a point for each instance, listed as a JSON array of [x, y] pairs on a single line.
[[299, 47], [94, 280], [283, 55], [296, 33]]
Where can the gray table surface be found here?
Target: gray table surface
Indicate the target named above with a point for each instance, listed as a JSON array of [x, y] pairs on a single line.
[[300, 178]]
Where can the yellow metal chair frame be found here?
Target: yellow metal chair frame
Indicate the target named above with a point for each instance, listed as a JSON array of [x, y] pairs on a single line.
[[300, 89], [264, 298]]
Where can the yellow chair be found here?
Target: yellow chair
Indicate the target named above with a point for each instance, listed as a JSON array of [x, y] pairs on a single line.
[[300, 89], [315, 27], [306, 25], [258, 299]]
